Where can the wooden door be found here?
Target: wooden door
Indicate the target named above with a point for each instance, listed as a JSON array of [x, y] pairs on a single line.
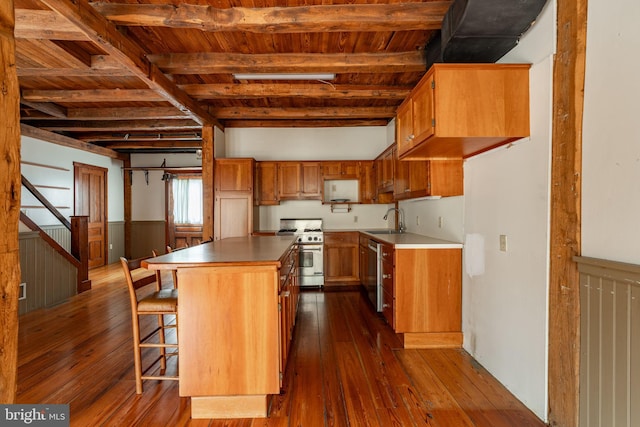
[[90, 184]]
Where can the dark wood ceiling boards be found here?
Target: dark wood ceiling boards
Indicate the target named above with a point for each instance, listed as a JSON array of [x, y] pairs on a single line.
[[160, 69]]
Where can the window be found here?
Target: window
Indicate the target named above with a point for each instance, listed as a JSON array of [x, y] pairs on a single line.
[[187, 200]]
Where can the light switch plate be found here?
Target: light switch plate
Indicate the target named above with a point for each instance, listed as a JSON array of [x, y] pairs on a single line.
[[503, 243]]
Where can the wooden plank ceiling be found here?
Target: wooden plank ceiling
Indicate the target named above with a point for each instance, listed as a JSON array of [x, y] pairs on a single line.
[[147, 74]]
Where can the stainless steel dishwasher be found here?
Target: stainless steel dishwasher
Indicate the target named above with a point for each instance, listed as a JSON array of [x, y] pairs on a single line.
[[373, 281]]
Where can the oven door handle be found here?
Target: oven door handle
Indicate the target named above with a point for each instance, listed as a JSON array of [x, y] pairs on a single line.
[[311, 249]]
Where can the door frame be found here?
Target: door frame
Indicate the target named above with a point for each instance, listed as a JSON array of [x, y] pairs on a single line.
[[105, 172], [168, 202]]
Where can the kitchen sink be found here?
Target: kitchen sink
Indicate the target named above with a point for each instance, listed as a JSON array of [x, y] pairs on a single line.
[[385, 232]]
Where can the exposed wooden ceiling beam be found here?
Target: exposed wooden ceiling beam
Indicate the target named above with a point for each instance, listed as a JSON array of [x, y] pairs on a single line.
[[71, 72], [105, 34], [304, 123], [46, 24], [304, 113], [99, 138], [48, 108], [279, 90], [147, 113], [212, 63], [297, 19], [115, 125], [65, 141], [183, 145], [92, 95]]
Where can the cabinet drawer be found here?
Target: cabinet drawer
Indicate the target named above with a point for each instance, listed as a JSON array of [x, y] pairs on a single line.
[[387, 252], [387, 277], [341, 237], [387, 308]]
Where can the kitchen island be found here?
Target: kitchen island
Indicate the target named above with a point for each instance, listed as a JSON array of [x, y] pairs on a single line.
[[236, 309]]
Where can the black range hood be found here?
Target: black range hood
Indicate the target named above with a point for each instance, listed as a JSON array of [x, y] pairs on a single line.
[[481, 31]]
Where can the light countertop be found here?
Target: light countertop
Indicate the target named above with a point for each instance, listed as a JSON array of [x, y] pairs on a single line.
[[412, 241]]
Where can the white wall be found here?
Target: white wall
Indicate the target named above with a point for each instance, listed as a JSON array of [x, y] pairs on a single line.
[[507, 192], [148, 200], [37, 151], [358, 143], [611, 135]]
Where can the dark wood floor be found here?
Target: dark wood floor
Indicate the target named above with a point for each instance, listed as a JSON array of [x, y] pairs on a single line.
[[346, 369]]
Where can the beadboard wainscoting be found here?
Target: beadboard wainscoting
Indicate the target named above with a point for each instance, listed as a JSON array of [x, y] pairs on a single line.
[[116, 241], [49, 278], [59, 233], [146, 236], [610, 343]]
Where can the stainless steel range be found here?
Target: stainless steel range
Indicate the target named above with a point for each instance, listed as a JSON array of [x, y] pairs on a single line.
[[311, 248]]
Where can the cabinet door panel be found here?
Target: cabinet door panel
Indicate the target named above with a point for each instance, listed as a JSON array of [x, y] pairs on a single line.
[[289, 183], [234, 175], [267, 183], [424, 112], [311, 182], [233, 215]]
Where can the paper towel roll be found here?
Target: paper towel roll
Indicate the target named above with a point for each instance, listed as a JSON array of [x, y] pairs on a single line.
[[474, 254]]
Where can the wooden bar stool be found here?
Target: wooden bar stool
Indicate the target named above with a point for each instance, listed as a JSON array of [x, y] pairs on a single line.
[[174, 273], [159, 303]]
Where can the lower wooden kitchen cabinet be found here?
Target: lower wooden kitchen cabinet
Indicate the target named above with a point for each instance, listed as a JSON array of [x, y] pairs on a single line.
[[422, 295], [341, 258]]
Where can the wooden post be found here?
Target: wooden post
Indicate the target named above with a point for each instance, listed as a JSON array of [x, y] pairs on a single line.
[[80, 249], [9, 204], [565, 227], [126, 163], [207, 181]]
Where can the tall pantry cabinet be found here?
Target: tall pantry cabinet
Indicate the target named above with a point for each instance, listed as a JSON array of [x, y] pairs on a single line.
[[233, 198]]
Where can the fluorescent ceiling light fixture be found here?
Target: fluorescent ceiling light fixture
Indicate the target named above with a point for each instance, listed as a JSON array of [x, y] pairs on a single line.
[[285, 76]]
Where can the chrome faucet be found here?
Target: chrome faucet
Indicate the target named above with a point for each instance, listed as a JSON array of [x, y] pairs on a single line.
[[401, 227]]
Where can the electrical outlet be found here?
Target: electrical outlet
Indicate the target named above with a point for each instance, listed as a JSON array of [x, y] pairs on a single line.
[[333, 187], [503, 243], [417, 219], [355, 218], [110, 246], [440, 222]]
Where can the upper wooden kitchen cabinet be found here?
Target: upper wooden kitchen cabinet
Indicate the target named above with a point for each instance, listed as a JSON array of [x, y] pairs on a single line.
[[428, 178], [341, 170], [311, 181], [385, 169], [233, 198], [367, 182], [234, 174], [266, 183], [459, 110], [299, 180]]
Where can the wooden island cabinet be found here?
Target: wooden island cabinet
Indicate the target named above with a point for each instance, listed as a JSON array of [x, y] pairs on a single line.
[[237, 307]]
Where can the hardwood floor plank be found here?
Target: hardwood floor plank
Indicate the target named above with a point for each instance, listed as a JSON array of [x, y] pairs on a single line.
[[380, 377], [361, 410], [443, 409], [463, 389], [307, 389], [334, 406], [460, 362], [346, 368]]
